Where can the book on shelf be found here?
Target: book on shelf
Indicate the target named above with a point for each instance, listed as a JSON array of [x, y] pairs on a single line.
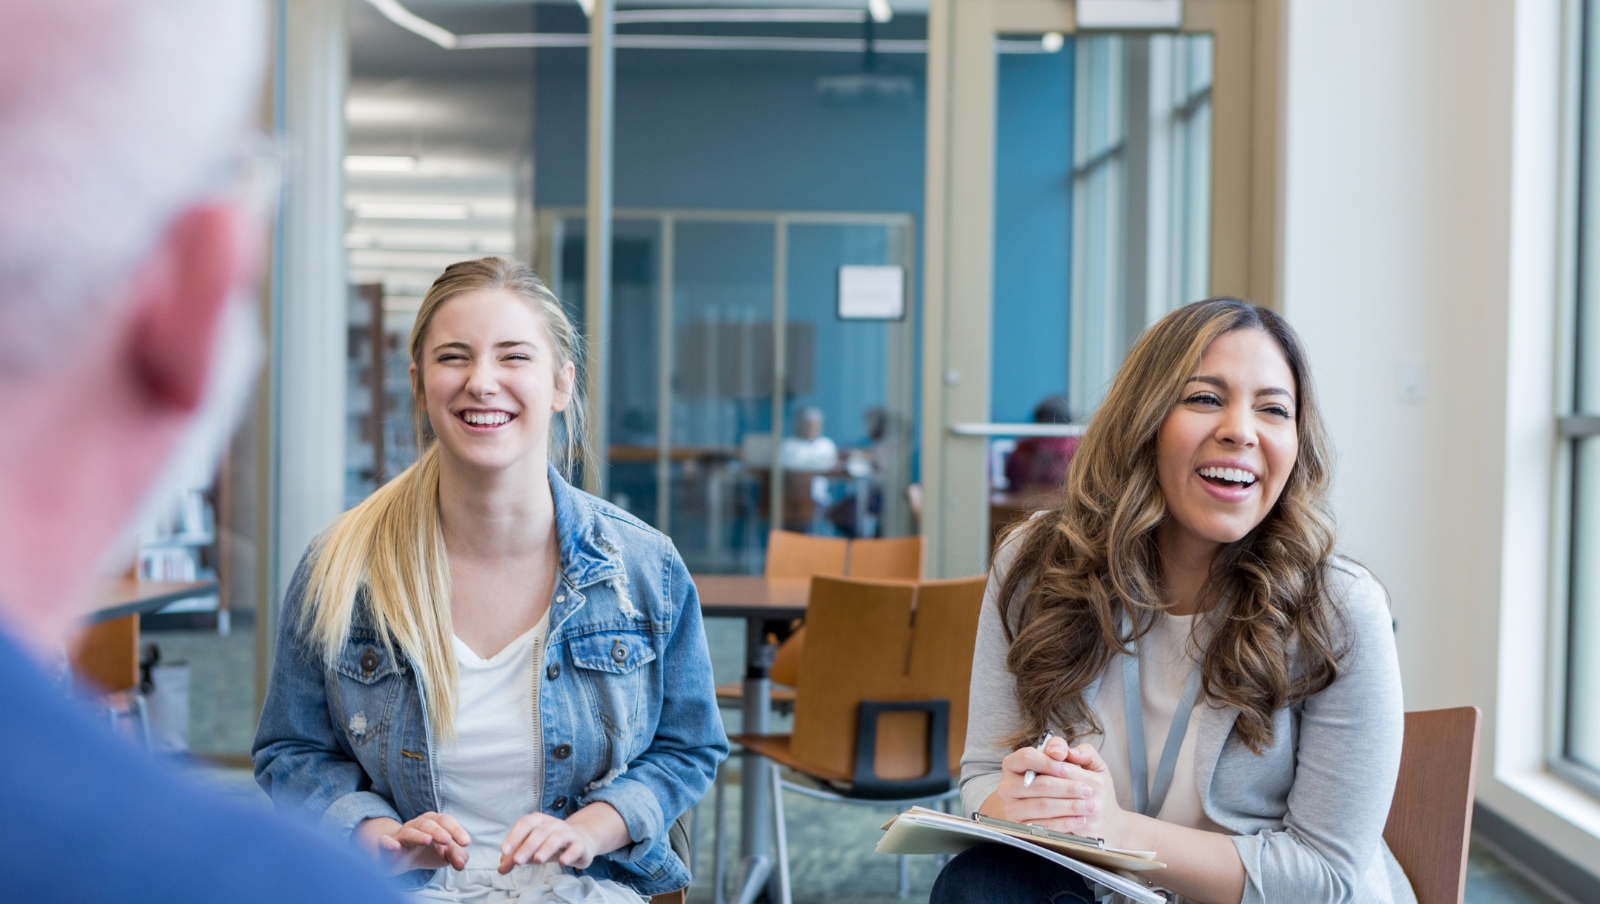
[[924, 831]]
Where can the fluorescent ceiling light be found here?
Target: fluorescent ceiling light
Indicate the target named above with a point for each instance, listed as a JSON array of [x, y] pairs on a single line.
[[410, 21], [636, 16], [389, 210], [1053, 41], [1129, 13], [879, 10], [360, 163]]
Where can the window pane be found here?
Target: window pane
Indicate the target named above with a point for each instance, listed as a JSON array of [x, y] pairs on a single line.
[[1582, 734]]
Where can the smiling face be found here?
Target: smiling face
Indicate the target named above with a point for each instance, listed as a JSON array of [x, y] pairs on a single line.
[[490, 381], [1227, 448]]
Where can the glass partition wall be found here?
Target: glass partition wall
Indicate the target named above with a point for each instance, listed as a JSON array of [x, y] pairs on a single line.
[[1102, 209], [740, 398], [1076, 193]]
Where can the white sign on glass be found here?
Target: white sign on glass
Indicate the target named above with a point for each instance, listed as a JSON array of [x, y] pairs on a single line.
[[872, 293]]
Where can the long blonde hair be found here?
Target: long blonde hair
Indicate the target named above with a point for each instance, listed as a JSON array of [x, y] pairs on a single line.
[[1078, 569], [389, 550]]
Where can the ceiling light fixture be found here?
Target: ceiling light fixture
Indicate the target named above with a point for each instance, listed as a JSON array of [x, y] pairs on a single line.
[[879, 10], [399, 15], [385, 210], [363, 163]]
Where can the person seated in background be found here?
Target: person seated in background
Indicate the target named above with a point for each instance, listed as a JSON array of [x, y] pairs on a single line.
[[130, 244], [1184, 612], [473, 666], [1039, 463], [864, 464], [808, 449]]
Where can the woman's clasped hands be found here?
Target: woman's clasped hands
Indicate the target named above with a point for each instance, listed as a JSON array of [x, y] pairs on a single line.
[[1071, 791]]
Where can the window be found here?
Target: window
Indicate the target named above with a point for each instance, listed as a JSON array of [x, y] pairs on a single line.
[[1578, 753]]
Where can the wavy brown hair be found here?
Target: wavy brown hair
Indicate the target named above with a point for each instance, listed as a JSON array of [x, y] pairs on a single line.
[[1276, 636]]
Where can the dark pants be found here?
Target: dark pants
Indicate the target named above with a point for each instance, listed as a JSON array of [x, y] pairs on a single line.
[[998, 874]]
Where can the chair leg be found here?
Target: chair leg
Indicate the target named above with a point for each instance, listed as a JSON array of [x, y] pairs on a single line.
[[694, 838], [784, 891], [143, 712], [904, 888], [718, 879]]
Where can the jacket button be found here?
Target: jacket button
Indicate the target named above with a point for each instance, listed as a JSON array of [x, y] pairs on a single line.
[[369, 661], [563, 751], [560, 804], [619, 652], [553, 672]]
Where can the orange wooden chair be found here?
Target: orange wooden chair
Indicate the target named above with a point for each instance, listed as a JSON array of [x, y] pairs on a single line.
[[1430, 820], [881, 706], [106, 657]]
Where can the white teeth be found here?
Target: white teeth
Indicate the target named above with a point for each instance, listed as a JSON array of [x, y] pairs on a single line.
[[486, 418], [1234, 475]]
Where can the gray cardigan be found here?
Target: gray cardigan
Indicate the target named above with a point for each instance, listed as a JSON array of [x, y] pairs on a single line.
[[1307, 815]]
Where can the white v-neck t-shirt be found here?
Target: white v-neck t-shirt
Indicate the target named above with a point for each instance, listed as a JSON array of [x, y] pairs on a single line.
[[1166, 658], [489, 778]]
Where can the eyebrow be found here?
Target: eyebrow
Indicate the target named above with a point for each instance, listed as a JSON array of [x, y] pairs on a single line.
[[1223, 384], [509, 343]]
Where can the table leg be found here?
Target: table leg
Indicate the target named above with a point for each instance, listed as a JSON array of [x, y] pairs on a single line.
[[755, 810]]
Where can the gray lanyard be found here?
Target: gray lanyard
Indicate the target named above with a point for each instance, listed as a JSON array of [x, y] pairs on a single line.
[[1146, 800]]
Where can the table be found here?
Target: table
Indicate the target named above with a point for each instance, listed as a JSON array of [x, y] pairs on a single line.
[[127, 596], [768, 606]]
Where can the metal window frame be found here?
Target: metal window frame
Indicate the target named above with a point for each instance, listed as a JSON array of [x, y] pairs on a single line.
[[550, 231], [1572, 425]]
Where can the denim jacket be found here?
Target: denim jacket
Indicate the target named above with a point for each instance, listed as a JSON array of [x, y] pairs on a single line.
[[626, 703]]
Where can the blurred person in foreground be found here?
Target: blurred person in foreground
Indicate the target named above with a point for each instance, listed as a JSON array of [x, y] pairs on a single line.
[[127, 347]]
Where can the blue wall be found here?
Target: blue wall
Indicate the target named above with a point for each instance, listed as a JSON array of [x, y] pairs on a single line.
[[721, 129], [748, 131], [1032, 232]]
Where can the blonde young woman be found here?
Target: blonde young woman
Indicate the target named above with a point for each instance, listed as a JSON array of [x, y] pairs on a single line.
[[495, 684], [1222, 688]]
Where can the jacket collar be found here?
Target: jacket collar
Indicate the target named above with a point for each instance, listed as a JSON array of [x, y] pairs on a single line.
[[590, 551]]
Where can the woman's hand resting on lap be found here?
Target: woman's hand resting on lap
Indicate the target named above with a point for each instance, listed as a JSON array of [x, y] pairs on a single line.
[[1071, 791], [430, 841], [540, 838]]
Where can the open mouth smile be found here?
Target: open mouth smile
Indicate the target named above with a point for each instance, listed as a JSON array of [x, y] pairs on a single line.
[[1228, 478], [484, 419]]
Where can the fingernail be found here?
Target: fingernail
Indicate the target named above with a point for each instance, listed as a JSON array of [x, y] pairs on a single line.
[[1061, 769], [1088, 807], [1085, 790]]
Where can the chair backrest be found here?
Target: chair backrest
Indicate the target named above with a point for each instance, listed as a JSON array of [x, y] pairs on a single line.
[[887, 559], [885, 641], [792, 555], [1430, 820], [107, 654]]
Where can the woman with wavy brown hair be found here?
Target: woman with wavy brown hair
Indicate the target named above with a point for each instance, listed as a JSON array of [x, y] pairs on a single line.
[[1210, 680]]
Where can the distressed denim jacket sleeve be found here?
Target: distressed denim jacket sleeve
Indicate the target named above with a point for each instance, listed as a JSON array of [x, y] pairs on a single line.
[[299, 753], [677, 768]]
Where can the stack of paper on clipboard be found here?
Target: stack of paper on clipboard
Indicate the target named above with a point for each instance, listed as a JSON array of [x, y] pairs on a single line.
[[923, 831]]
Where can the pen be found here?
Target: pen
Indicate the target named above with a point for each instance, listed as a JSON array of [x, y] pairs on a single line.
[[1028, 777]]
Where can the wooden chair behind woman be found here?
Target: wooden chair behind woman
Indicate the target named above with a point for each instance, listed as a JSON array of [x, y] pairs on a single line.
[[1430, 820], [881, 710]]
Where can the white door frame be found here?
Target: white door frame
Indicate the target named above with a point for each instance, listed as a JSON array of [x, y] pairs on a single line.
[[959, 209]]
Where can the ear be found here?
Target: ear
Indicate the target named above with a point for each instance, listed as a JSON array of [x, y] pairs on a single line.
[[566, 381], [178, 299]]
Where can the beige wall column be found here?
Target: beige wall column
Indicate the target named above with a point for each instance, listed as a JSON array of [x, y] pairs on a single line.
[[597, 242], [958, 282], [307, 373]]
